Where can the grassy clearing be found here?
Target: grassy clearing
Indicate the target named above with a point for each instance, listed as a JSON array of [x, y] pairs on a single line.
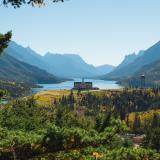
[[47, 98]]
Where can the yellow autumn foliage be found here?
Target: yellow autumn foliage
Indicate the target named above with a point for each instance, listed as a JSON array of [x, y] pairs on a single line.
[[145, 117]]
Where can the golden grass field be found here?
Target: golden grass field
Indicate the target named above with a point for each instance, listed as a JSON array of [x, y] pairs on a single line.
[[47, 98]]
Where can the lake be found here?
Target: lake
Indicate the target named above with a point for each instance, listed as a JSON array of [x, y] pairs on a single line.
[[101, 84]]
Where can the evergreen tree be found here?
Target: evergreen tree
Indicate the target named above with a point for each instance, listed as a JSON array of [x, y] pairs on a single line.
[[155, 120], [107, 120], [59, 117], [136, 124], [98, 122], [71, 100]]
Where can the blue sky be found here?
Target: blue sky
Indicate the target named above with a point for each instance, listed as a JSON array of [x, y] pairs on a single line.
[[101, 31]]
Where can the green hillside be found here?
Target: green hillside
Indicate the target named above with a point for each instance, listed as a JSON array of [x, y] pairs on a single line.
[[12, 69], [151, 72], [136, 63]]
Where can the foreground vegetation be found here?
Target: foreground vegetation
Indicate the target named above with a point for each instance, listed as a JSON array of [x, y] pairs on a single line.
[[70, 125]]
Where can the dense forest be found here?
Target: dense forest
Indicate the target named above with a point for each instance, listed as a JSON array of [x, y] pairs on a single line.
[[82, 125]]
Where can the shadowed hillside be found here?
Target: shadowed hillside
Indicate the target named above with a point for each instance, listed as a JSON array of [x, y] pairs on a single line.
[[14, 70]]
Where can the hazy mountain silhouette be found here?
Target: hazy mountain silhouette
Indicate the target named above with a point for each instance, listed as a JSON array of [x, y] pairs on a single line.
[[69, 65], [104, 69], [151, 72], [124, 69], [61, 65], [14, 70], [146, 62], [26, 55]]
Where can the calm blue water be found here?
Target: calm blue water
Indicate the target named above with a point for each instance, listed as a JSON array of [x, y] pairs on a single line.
[[101, 84]]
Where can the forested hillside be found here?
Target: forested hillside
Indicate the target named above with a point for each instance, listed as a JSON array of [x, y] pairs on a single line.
[[133, 64], [12, 69], [118, 71], [151, 73]]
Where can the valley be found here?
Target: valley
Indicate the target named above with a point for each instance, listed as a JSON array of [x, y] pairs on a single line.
[[41, 117], [52, 65], [79, 80], [68, 85]]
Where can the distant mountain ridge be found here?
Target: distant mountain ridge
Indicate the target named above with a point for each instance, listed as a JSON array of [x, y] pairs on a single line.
[[104, 69], [150, 56], [133, 66], [61, 65], [129, 59], [73, 66], [12, 69], [26, 55], [151, 72], [69, 65], [129, 68], [123, 69]]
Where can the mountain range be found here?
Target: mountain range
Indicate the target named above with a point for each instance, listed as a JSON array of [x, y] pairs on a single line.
[[104, 69], [60, 65], [146, 62], [20, 63], [124, 69]]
